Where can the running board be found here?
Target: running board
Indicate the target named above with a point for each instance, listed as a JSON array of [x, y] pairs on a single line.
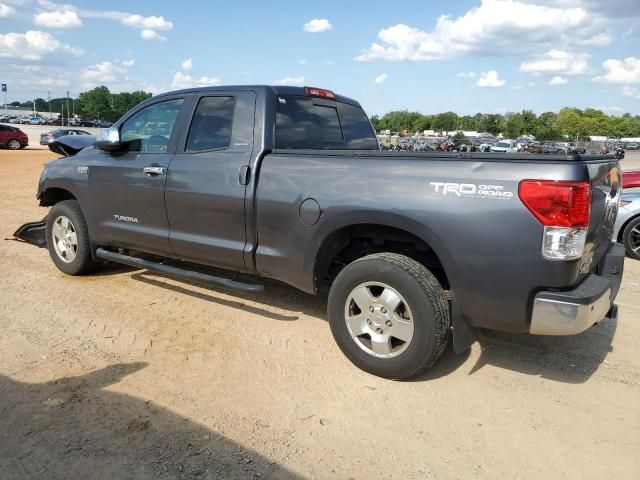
[[181, 273]]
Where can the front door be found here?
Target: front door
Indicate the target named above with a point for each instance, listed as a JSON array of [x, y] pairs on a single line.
[[127, 187], [204, 195]]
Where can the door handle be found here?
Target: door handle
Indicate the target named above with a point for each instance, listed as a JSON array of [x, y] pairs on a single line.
[[153, 170]]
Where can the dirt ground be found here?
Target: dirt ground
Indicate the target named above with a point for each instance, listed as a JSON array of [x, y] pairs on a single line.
[[130, 375]]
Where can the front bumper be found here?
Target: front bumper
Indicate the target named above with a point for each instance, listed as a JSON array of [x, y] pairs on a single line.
[[571, 312]]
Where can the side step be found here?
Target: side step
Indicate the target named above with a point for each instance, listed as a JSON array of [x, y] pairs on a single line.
[[179, 272]]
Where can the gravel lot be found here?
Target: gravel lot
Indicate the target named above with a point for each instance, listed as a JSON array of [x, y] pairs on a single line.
[[129, 374]]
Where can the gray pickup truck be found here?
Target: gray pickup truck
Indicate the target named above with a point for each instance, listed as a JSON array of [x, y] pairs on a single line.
[[288, 183]]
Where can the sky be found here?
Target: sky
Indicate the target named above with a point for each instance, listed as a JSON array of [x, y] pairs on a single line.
[[491, 56]]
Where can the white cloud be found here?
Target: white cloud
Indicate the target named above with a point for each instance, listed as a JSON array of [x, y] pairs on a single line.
[[32, 45], [469, 75], [598, 40], [295, 81], [6, 11], [184, 80], [495, 27], [558, 80], [632, 92], [148, 34], [58, 19], [149, 26], [621, 72], [102, 72], [556, 62], [146, 23], [490, 79], [129, 63], [58, 81], [317, 25], [382, 78], [187, 64]]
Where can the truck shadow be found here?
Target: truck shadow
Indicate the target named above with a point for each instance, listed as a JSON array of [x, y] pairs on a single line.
[[74, 428], [572, 359]]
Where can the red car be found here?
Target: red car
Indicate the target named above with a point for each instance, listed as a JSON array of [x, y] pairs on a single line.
[[13, 138], [630, 178]]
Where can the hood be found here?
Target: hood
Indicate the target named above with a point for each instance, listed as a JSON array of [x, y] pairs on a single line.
[[69, 145]]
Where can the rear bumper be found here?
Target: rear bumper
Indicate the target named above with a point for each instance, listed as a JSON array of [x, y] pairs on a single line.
[[574, 311]]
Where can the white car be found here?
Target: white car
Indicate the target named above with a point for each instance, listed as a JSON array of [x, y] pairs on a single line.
[[506, 146]]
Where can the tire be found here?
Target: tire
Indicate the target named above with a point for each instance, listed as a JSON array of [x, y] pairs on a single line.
[[70, 259], [14, 144], [424, 306], [631, 238]]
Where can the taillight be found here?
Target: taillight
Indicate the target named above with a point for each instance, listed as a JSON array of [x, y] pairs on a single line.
[[563, 208], [319, 92]]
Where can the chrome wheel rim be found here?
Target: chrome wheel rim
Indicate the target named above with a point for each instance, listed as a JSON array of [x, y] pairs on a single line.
[[379, 319], [14, 145], [634, 239], [65, 239]]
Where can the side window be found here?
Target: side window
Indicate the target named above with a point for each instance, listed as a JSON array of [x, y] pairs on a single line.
[[149, 130], [211, 125]]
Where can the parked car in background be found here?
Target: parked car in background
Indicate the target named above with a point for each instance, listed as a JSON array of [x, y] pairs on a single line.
[[505, 146], [632, 146], [553, 148], [55, 121], [627, 227], [35, 120], [46, 138], [13, 138]]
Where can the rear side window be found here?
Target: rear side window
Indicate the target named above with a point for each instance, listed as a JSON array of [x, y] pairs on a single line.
[[309, 123], [211, 125]]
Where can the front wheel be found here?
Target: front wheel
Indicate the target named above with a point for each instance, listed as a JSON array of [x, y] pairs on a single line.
[[631, 238], [68, 238], [389, 315]]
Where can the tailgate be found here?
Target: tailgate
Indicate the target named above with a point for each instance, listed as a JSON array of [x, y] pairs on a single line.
[[604, 176]]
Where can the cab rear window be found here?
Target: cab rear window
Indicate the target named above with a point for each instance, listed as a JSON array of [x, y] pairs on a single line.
[[308, 123]]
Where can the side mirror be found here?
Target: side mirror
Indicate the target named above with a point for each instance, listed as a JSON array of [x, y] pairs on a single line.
[[108, 139]]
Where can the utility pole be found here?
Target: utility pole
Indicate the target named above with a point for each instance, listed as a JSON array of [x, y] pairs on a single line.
[[49, 98], [34, 101], [67, 108]]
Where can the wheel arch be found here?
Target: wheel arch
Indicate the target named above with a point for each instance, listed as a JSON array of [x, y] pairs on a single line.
[[52, 195]]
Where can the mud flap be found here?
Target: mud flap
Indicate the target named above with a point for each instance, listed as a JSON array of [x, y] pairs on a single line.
[[33, 233], [463, 334]]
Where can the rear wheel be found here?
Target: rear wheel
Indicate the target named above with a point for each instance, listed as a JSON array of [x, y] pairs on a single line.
[[389, 315], [631, 238], [14, 144], [68, 238]]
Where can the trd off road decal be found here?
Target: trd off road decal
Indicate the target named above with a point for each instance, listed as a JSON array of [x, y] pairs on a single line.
[[472, 190]]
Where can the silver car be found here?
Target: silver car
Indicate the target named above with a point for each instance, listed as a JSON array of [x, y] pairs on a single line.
[[627, 227]]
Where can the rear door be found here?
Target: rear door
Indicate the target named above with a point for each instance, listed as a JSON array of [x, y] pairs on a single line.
[[205, 190]]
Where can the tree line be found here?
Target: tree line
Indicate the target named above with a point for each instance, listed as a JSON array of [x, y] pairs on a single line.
[[569, 122], [98, 103]]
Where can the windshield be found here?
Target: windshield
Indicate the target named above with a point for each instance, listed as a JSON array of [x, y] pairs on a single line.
[[503, 144]]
